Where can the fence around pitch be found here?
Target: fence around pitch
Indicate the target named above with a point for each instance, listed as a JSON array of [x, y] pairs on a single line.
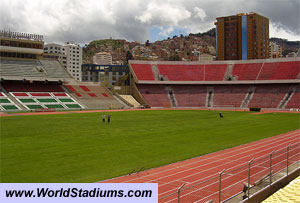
[[238, 181]]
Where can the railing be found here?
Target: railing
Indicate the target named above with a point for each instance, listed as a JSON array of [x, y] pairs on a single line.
[[239, 183]]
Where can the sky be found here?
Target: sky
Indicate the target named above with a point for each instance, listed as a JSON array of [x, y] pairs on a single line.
[[83, 21]]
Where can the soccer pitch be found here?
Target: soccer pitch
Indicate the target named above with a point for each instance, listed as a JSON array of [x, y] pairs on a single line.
[[80, 148]]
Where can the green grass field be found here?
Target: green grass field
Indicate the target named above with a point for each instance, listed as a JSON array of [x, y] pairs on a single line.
[[80, 148]]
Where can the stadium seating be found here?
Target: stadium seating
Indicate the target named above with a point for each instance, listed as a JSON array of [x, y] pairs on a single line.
[[93, 96], [294, 102], [267, 71], [37, 95], [33, 69], [143, 71], [53, 69], [45, 100], [246, 71], [19, 86], [229, 95], [6, 104], [215, 72], [270, 70], [190, 95], [182, 72], [155, 95], [269, 96], [286, 70]]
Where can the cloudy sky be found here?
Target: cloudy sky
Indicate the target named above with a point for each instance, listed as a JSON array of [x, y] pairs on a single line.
[[82, 21]]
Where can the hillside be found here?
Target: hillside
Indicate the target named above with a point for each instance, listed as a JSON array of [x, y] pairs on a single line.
[[175, 48], [287, 46], [186, 48]]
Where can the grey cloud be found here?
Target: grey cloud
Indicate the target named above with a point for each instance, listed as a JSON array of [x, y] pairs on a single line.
[[84, 21]]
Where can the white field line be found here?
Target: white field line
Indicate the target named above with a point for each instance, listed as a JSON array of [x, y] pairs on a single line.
[[237, 182], [248, 145], [289, 140]]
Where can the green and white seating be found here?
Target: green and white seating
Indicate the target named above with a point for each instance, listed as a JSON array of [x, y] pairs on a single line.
[[7, 104], [46, 100]]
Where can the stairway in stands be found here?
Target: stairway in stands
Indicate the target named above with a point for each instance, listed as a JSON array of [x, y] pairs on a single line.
[[93, 96]]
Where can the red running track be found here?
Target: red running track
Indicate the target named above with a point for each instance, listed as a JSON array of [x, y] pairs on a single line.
[[204, 170]]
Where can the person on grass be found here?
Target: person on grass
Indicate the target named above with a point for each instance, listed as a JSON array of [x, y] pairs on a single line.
[[108, 118]]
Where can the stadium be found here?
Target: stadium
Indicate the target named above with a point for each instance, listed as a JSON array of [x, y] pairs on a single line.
[[51, 128]]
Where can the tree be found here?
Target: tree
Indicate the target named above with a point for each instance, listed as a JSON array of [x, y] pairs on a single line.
[[128, 56], [147, 43]]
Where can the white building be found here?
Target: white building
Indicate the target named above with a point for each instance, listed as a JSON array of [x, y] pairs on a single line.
[[74, 59], [102, 58], [70, 56], [275, 51]]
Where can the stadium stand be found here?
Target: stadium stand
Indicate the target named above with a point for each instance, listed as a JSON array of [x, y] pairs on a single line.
[[37, 86], [6, 103], [29, 82], [247, 71], [93, 96], [289, 193], [182, 72], [143, 71], [229, 95], [45, 100], [294, 101], [268, 83], [190, 95], [33, 70], [215, 72], [269, 96], [155, 95]]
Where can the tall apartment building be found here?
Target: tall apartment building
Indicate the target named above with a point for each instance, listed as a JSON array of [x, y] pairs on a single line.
[[242, 36], [102, 58], [69, 54], [275, 51], [56, 51]]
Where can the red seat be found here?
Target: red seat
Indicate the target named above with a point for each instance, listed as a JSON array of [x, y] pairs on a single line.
[[71, 88], [143, 71], [92, 95], [85, 88], [40, 94], [60, 94], [20, 94]]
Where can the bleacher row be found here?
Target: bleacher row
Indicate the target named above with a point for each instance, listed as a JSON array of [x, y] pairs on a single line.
[[218, 72], [39, 100], [89, 93], [283, 96], [6, 104], [33, 69]]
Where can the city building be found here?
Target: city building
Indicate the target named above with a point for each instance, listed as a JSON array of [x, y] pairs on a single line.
[[108, 75], [242, 36], [291, 55], [69, 55], [102, 58], [206, 57], [275, 51], [55, 51]]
